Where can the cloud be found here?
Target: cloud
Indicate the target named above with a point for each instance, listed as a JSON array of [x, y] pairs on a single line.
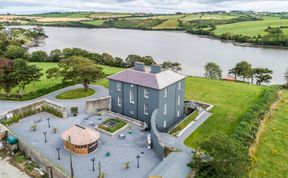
[[159, 6]]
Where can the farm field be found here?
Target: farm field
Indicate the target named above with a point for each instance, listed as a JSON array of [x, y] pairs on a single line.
[[251, 28], [64, 15], [170, 23], [271, 152], [230, 100], [207, 16]]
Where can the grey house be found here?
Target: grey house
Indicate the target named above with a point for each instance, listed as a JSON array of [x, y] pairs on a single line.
[[138, 91]]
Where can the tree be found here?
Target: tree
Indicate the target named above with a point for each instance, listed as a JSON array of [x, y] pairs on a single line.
[[174, 66], [79, 70], [39, 56], [262, 75], [24, 74], [7, 79], [131, 59], [242, 69], [14, 52], [212, 71], [226, 158], [107, 59], [55, 55], [148, 60]]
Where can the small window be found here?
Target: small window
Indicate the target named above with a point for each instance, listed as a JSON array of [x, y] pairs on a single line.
[[165, 109], [178, 113], [179, 99], [165, 92], [118, 86], [119, 102], [146, 93], [165, 124], [179, 86], [132, 97], [146, 109]]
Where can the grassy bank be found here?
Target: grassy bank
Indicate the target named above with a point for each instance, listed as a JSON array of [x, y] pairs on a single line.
[[271, 152], [230, 100]]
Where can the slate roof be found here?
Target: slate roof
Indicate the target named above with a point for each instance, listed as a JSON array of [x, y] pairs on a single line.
[[173, 166], [147, 79]]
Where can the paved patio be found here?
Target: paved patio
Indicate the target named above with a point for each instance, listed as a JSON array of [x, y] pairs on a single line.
[[120, 150]]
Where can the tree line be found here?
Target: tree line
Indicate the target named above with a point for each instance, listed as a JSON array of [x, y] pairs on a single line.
[[242, 70]]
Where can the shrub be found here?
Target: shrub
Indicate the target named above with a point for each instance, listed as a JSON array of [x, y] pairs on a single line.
[[74, 111], [248, 127], [53, 111]]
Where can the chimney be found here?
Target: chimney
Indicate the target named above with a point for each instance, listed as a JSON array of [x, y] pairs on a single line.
[[139, 66], [156, 68]]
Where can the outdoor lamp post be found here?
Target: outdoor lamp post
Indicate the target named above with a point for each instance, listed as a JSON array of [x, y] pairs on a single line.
[[58, 150], [45, 133], [138, 157], [48, 119], [93, 161]]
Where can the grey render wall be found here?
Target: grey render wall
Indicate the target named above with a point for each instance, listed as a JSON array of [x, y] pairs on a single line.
[[172, 106], [95, 105], [156, 100]]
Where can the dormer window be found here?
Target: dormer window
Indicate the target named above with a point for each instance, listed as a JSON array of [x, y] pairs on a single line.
[[146, 93]]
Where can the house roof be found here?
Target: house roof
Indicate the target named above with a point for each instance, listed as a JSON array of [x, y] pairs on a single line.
[[174, 165], [80, 135], [147, 79]]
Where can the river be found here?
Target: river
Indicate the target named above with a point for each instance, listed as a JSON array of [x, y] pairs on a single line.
[[192, 51]]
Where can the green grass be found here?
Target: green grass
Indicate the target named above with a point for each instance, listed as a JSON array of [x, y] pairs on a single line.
[[64, 15], [46, 83], [271, 153], [170, 23], [107, 15], [94, 22], [207, 16], [118, 126], [251, 28], [231, 100], [76, 93], [184, 123]]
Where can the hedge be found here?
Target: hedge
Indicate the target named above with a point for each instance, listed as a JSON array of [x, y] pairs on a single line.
[[246, 131]]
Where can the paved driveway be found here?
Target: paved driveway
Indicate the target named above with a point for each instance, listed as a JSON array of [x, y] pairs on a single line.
[[100, 92]]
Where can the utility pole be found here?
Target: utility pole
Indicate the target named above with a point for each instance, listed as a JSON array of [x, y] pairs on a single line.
[[70, 156]]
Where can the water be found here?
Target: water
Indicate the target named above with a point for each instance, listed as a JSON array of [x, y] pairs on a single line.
[[191, 51]]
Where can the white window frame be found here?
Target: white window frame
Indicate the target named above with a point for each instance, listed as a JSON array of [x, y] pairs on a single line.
[[165, 109], [164, 124], [179, 86], [165, 92], [146, 93], [178, 100], [119, 102], [178, 113], [119, 87], [131, 97], [146, 109]]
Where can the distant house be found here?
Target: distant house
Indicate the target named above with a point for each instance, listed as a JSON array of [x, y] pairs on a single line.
[[138, 91]]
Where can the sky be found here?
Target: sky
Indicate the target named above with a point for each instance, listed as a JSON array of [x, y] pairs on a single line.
[[149, 6]]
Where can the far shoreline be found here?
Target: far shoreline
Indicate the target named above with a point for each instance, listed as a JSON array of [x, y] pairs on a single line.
[[235, 43]]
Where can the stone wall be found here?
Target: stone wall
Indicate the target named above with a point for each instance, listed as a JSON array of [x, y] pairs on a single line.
[[94, 105], [34, 107], [43, 162]]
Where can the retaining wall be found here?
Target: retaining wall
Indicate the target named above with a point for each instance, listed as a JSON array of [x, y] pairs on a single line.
[[34, 107], [95, 105]]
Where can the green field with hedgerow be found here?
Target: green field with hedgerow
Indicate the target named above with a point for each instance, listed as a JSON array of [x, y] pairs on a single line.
[[271, 156]]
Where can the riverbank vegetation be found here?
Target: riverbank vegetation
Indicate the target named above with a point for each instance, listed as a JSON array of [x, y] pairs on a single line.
[[240, 26]]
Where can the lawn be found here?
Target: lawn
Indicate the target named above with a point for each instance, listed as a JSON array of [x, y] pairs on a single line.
[[112, 125], [231, 100], [46, 83], [76, 93], [251, 28], [271, 153]]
